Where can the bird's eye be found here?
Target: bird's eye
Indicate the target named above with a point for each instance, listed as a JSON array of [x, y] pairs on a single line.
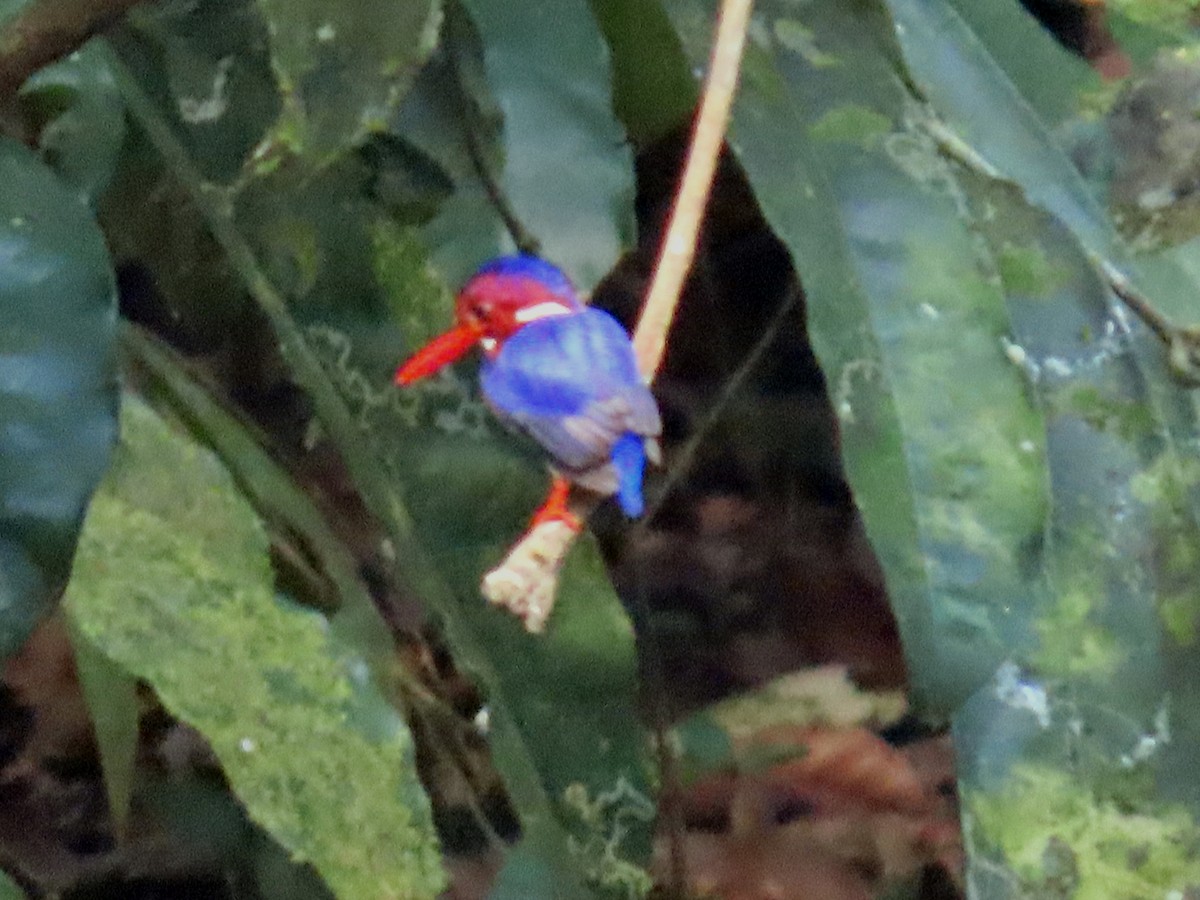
[[478, 311]]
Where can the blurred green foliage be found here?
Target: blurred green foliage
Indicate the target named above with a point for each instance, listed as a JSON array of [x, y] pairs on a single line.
[[173, 583], [58, 385], [1028, 472], [8, 890]]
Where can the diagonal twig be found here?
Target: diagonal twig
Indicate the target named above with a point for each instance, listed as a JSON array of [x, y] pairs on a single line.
[[1182, 343]]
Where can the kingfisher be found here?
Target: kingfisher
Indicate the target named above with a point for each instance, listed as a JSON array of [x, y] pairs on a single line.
[[558, 370]]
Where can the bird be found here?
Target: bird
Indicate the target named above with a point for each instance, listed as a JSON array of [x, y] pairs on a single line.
[[560, 371]]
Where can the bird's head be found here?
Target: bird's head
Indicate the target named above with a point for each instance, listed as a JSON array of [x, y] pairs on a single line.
[[502, 297]]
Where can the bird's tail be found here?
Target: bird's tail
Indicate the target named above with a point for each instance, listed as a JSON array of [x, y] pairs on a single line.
[[629, 459]]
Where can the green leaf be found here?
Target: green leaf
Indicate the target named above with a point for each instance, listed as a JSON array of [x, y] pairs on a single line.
[[970, 89], [934, 420], [80, 119], [1057, 83], [9, 890], [1045, 515], [1171, 15], [172, 582], [9, 9], [342, 68], [547, 65], [111, 696], [653, 90], [1063, 843], [208, 69], [58, 389]]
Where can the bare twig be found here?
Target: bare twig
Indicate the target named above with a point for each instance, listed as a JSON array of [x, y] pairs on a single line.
[[47, 30], [679, 246], [682, 459], [526, 581], [1182, 343], [472, 118]]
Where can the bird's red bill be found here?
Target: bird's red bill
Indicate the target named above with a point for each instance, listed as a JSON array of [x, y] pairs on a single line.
[[441, 351]]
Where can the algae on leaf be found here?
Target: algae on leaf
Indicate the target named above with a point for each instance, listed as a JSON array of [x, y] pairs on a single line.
[[172, 581], [942, 445], [342, 68], [1026, 470]]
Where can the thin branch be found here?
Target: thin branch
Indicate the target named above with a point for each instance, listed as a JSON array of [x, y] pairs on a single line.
[[526, 582], [1182, 343], [521, 236], [470, 116], [679, 246], [1128, 294], [48, 30], [682, 459]]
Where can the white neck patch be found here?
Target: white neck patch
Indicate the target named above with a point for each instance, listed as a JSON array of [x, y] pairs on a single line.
[[541, 311]]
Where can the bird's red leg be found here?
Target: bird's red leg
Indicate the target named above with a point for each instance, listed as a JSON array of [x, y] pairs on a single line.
[[555, 507]]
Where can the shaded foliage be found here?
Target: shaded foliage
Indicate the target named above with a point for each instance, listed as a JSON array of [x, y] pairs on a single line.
[[915, 443]]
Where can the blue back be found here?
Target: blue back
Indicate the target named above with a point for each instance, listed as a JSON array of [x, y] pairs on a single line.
[[573, 384]]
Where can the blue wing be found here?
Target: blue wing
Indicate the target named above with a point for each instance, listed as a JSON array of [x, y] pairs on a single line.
[[572, 383]]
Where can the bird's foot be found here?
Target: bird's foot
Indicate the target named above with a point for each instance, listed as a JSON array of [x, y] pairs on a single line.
[[556, 507]]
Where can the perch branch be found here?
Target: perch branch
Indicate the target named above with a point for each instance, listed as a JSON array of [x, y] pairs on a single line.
[[472, 118], [526, 582], [48, 30], [679, 247]]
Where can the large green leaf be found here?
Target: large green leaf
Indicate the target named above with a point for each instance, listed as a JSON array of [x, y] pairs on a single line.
[[1121, 555], [342, 68], [58, 389], [547, 65], [942, 445], [1027, 155], [79, 117], [172, 581], [1026, 469]]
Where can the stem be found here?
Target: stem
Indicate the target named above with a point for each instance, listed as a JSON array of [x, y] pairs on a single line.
[[679, 245], [470, 115], [1124, 289], [1183, 344]]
